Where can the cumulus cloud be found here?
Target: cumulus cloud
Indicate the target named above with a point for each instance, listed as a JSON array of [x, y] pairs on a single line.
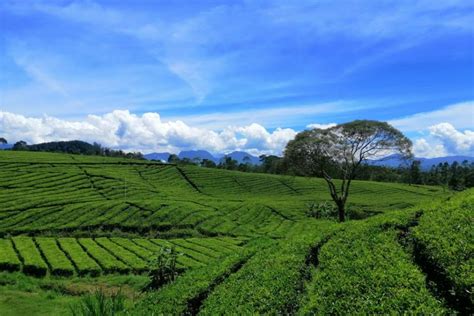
[[444, 139], [321, 126], [146, 133], [425, 149], [454, 140], [442, 132]]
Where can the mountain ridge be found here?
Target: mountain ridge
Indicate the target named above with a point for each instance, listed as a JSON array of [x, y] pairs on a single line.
[[239, 156]]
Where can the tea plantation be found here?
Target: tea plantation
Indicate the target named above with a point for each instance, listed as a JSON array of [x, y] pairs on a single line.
[[70, 225]]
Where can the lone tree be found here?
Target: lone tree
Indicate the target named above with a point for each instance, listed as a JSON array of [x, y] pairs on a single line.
[[340, 150], [3, 141]]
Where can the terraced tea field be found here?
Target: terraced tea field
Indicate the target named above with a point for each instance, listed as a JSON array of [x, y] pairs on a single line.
[[68, 194], [245, 244], [81, 256]]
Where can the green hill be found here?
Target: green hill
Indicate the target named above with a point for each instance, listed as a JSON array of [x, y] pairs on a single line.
[[44, 192], [246, 242]]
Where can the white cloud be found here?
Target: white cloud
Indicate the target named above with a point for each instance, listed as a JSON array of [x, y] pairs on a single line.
[[443, 140], [454, 140], [460, 115], [442, 132], [146, 133], [425, 149], [321, 126]]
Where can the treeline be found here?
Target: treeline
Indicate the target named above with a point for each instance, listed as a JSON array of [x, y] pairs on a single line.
[[76, 147], [456, 176], [268, 164]]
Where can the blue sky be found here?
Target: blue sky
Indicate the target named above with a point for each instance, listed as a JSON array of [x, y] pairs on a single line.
[[249, 73]]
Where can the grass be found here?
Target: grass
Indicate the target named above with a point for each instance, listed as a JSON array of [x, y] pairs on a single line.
[[25, 295], [100, 304]]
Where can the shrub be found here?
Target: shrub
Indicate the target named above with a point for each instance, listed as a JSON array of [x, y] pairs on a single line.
[[271, 282], [364, 270], [444, 245], [321, 210], [163, 268]]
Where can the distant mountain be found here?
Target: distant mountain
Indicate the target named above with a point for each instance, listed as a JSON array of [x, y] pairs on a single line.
[[157, 156], [240, 157], [395, 160], [5, 146], [426, 163], [392, 161], [200, 154]]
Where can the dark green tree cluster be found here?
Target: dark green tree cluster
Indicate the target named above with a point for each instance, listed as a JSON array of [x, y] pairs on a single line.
[[76, 147], [3, 141], [456, 176]]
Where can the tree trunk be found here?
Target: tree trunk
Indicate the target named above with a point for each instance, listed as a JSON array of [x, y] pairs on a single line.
[[341, 211]]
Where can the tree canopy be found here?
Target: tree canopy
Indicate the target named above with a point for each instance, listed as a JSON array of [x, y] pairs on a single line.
[[341, 150]]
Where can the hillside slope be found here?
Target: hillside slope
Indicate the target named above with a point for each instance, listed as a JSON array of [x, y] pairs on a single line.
[[246, 244], [64, 193]]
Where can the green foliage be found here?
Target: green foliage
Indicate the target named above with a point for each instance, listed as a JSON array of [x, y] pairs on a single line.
[[57, 260], [321, 210], [445, 241], [84, 263], [364, 270], [177, 298], [338, 152], [82, 196], [106, 259], [86, 256], [129, 258], [32, 261], [247, 243], [271, 281], [187, 293], [99, 304], [8, 258]]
